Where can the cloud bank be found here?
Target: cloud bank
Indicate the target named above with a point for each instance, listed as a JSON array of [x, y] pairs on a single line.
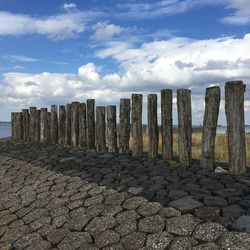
[[174, 63]]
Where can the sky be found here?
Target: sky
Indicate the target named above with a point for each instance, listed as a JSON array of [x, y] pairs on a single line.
[[57, 52]]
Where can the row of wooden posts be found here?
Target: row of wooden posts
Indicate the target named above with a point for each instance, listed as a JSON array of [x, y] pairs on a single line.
[[83, 125]]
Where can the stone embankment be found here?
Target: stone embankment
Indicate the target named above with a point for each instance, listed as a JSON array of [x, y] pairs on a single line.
[[65, 198]]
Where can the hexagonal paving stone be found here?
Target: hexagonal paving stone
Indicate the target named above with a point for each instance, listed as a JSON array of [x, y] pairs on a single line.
[[209, 232], [159, 240], [152, 224], [106, 238], [234, 241], [183, 225], [100, 224], [133, 241]]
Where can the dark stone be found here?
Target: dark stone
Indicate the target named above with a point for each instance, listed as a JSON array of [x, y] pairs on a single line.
[[242, 224], [207, 213], [224, 221], [233, 211], [177, 194], [185, 204], [215, 201], [245, 203], [228, 192]]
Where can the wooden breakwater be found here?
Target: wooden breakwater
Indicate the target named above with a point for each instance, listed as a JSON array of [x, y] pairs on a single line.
[[96, 128]]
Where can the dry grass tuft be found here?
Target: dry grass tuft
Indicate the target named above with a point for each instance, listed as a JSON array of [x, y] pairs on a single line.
[[221, 148]]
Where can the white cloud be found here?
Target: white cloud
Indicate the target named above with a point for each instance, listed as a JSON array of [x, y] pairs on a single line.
[[180, 62], [69, 6], [88, 72], [105, 31], [241, 15], [55, 27], [20, 58], [174, 63]]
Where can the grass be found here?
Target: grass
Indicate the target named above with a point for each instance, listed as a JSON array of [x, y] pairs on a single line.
[[221, 148]]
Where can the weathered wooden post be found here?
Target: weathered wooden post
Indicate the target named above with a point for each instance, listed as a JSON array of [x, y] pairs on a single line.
[[234, 105], [124, 126], [43, 125], [12, 125], [25, 124], [15, 125], [111, 129], [32, 124], [184, 126], [38, 114], [54, 124], [100, 129], [68, 125], [61, 125], [74, 124], [49, 127], [152, 127], [137, 147], [167, 124], [91, 124], [82, 125], [20, 126], [212, 100]]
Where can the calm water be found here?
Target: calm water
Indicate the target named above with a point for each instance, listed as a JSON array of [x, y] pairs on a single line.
[[5, 129]]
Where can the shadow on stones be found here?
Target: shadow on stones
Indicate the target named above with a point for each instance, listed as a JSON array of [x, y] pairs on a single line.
[[222, 197]]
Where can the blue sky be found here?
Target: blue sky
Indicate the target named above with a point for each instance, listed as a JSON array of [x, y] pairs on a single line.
[[54, 52]]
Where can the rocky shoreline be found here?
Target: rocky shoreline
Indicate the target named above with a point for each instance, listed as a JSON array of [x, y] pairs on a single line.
[[65, 198]]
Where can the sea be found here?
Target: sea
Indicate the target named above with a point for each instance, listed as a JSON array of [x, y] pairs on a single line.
[[5, 129]]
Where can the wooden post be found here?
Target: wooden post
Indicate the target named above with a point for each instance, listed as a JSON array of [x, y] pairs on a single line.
[[91, 124], [68, 125], [13, 125], [38, 114], [137, 147], [184, 126], [100, 129], [74, 124], [234, 105], [212, 100], [49, 127], [32, 124], [43, 125], [111, 130], [124, 126], [152, 127], [167, 124], [61, 125], [82, 125], [25, 124], [54, 124], [20, 126]]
